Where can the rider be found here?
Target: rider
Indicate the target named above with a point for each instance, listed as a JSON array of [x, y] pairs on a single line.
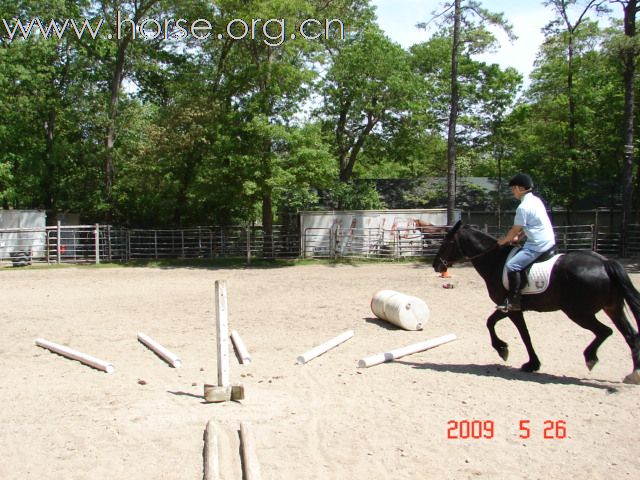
[[532, 220]]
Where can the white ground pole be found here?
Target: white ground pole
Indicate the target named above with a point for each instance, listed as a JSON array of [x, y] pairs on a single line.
[[249, 457], [211, 453], [222, 330], [170, 357], [76, 355], [243, 353], [408, 350], [324, 347]]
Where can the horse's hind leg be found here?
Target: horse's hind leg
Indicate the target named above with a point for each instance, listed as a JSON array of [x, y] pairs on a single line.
[[601, 331], [533, 365], [619, 319], [500, 345]]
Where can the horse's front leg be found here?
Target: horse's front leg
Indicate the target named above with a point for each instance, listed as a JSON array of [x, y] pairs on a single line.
[[501, 346], [533, 365]]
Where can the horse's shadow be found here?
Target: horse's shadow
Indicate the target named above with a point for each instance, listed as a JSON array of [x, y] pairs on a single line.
[[510, 373]]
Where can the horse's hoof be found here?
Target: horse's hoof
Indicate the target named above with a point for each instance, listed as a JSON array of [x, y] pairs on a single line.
[[503, 350], [530, 367], [591, 364], [633, 378], [504, 353]]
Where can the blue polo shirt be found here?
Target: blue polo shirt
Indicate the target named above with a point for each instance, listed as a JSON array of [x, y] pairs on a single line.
[[532, 216]]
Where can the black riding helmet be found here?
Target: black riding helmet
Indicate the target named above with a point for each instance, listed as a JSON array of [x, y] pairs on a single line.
[[521, 180]]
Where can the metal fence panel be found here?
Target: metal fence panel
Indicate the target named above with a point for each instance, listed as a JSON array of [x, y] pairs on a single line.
[[211, 242], [574, 238], [104, 243], [72, 244], [317, 243], [24, 244], [632, 244]]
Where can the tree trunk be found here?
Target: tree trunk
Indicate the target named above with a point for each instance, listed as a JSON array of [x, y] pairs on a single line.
[[267, 196], [348, 160], [571, 134], [572, 140], [629, 59], [140, 8], [499, 157], [267, 224], [50, 168], [453, 118], [116, 85]]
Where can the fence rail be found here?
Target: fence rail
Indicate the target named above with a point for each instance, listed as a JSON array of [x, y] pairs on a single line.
[[105, 243]]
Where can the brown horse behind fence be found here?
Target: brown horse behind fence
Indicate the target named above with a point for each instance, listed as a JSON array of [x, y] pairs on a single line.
[[432, 234]]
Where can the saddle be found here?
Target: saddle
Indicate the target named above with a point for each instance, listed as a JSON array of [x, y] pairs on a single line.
[[534, 278]]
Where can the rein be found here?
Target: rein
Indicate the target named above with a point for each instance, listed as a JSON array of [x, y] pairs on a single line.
[[467, 257], [473, 257]]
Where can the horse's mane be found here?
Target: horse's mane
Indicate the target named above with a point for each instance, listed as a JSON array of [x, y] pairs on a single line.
[[481, 235]]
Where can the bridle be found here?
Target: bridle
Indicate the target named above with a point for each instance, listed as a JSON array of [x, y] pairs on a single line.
[[456, 240]]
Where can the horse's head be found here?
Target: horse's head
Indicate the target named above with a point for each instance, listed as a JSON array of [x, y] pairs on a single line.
[[449, 251], [463, 241]]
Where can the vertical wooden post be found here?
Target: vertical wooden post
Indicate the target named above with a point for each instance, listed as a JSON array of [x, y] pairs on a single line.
[[47, 236], [222, 330], [224, 391], [335, 242], [97, 243], [396, 245], [248, 245], [127, 246], [59, 240], [109, 258]]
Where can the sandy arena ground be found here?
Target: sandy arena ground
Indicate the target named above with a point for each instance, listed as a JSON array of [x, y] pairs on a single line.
[[327, 419]]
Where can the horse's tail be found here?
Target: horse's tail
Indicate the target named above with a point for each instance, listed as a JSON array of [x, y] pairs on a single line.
[[620, 277]]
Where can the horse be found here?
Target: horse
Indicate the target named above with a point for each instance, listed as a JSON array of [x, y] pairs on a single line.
[[581, 284], [428, 229], [430, 233]]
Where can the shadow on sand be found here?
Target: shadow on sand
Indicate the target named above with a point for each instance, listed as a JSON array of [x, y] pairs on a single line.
[[510, 373], [381, 323]]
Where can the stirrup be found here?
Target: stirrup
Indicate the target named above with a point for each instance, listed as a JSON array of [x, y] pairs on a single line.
[[508, 305], [504, 306]]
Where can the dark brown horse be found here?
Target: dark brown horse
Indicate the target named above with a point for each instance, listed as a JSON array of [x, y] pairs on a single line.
[[582, 283]]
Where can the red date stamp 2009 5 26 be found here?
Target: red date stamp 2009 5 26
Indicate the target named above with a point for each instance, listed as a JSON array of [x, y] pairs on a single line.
[[479, 429]]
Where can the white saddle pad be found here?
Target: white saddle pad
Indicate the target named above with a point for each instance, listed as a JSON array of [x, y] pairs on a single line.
[[539, 275]]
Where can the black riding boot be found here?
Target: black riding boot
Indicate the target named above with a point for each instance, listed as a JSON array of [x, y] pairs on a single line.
[[512, 302]]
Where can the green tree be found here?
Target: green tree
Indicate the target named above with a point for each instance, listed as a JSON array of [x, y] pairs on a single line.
[[123, 16], [486, 94], [370, 88], [44, 86], [468, 21], [566, 29], [629, 55], [542, 120]]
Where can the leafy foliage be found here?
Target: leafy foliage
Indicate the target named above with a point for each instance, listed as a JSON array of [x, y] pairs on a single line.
[[179, 131]]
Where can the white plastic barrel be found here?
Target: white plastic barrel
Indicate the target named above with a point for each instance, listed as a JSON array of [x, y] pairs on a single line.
[[404, 311]]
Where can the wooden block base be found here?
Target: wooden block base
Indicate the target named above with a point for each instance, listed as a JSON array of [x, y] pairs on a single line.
[[237, 392], [216, 394]]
